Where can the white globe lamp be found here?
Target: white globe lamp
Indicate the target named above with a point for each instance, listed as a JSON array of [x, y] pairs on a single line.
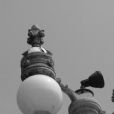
[[39, 94]]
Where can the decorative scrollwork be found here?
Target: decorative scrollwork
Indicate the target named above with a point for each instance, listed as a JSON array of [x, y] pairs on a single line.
[[68, 91]]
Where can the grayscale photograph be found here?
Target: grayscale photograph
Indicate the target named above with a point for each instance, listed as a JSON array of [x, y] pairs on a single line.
[[56, 57]]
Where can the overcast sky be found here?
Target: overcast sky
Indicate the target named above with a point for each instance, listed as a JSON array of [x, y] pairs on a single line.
[[80, 34]]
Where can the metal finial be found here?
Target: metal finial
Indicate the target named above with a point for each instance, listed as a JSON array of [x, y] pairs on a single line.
[[35, 36]]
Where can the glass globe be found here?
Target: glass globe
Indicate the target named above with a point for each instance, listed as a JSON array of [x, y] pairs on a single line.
[[39, 94]]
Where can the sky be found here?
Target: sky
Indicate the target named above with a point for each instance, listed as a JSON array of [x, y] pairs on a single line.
[[79, 33]]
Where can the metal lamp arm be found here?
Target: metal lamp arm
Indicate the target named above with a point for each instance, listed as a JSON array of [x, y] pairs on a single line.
[[70, 93]]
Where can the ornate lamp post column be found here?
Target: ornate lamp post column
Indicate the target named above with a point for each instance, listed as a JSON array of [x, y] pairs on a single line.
[[41, 91], [85, 105], [36, 60]]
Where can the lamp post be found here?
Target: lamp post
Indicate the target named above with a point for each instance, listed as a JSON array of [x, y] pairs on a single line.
[[41, 91]]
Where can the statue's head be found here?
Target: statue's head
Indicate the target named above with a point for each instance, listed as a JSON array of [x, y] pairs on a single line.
[[35, 36]]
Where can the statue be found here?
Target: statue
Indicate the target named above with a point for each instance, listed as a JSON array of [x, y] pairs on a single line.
[[35, 36], [35, 39]]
